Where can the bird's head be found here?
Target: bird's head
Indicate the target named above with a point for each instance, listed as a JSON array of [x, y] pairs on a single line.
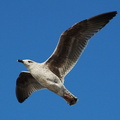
[[27, 63]]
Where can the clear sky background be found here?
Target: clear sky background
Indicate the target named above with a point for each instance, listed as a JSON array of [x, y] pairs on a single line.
[[31, 29]]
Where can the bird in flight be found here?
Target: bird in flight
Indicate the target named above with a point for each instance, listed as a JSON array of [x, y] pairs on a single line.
[[51, 73]]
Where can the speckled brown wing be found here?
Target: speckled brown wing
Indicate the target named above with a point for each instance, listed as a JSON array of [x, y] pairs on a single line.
[[73, 41], [25, 85]]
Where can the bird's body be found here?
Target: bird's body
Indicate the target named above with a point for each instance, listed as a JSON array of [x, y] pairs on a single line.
[[51, 73], [45, 78]]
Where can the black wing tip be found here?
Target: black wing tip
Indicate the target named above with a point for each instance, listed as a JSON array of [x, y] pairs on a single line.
[[109, 15], [115, 12], [112, 13], [20, 101], [20, 97], [106, 15]]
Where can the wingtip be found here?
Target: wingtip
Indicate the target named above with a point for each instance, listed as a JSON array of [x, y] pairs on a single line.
[[20, 99], [114, 13]]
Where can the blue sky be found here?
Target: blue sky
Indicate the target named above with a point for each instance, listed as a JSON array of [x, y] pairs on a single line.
[[31, 29]]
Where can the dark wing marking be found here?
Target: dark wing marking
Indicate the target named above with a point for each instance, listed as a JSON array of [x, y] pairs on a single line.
[[25, 85], [73, 41]]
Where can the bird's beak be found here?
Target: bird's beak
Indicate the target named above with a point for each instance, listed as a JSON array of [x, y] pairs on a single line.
[[20, 61]]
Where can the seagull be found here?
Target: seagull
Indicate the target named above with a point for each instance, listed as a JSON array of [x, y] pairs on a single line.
[[51, 73]]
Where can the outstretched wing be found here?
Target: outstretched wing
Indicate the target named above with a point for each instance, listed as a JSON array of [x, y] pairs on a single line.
[[73, 41], [25, 85]]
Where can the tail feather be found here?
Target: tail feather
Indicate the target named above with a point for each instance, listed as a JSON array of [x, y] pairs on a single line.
[[69, 97]]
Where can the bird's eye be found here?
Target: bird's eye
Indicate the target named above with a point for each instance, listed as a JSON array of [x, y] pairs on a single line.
[[29, 61]]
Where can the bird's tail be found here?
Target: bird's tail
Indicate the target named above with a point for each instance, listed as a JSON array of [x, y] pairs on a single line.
[[69, 97]]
